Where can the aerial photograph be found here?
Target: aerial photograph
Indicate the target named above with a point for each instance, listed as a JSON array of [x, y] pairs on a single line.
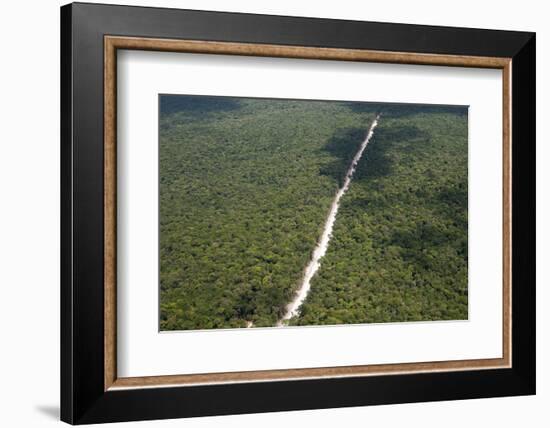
[[287, 213]]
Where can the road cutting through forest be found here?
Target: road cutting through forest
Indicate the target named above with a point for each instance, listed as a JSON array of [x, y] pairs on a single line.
[[293, 308]]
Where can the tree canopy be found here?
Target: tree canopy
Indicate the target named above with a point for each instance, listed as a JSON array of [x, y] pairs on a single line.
[[245, 188]]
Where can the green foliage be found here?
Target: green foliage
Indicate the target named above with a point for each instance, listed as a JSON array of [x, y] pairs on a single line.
[[245, 186], [399, 249]]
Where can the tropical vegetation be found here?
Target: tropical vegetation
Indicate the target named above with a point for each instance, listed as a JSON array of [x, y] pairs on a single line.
[[245, 188]]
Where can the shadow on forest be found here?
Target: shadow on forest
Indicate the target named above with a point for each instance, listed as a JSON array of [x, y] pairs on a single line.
[[385, 140], [378, 160], [417, 237], [342, 146], [345, 142], [456, 197], [364, 107], [454, 205], [196, 105], [425, 235], [412, 242], [400, 134], [403, 110]]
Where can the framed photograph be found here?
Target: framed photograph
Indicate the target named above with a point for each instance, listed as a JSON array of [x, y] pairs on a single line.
[[266, 213]]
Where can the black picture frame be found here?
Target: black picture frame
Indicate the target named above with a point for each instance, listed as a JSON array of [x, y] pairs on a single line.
[[83, 398]]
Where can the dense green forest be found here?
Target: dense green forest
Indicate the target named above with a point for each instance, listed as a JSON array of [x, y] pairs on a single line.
[[245, 188], [399, 249]]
